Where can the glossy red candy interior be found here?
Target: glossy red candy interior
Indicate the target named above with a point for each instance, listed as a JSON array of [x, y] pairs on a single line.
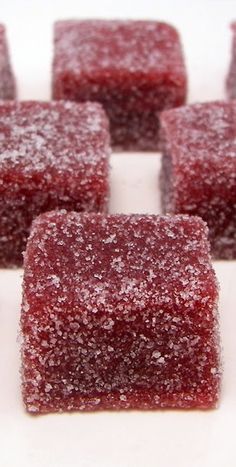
[[119, 312], [52, 155], [134, 68]]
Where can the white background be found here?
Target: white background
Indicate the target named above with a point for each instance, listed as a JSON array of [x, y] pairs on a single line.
[[124, 439]]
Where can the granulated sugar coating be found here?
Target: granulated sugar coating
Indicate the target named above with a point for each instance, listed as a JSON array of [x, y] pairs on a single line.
[[199, 169], [119, 312], [7, 80], [134, 68], [52, 155], [231, 78]]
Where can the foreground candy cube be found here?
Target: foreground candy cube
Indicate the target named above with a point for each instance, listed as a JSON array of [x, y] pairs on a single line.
[[52, 155], [231, 78], [134, 68], [7, 80], [119, 312], [199, 169]]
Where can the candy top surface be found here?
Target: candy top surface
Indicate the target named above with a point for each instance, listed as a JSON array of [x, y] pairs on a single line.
[[201, 138], [99, 262], [85, 47], [61, 136]]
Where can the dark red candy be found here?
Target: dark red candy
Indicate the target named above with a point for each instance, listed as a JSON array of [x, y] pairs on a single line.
[[52, 155], [119, 312], [231, 78], [134, 68], [7, 80], [199, 169]]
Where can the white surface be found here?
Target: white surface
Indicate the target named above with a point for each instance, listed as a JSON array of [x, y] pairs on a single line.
[[132, 439]]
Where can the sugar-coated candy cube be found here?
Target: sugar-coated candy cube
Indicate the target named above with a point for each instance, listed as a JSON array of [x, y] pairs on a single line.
[[231, 77], [134, 68], [119, 312], [7, 80], [52, 155], [199, 169]]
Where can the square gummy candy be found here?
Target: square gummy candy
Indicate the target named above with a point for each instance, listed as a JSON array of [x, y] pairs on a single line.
[[231, 77], [7, 80], [199, 169], [119, 312], [135, 69], [52, 155]]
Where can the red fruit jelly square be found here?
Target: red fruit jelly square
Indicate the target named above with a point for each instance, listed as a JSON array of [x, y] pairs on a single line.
[[231, 77], [199, 169], [52, 155], [119, 312], [134, 68], [7, 80]]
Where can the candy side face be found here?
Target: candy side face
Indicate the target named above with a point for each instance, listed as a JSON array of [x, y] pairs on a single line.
[[7, 80], [52, 155], [231, 77], [118, 312], [134, 68], [199, 169]]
